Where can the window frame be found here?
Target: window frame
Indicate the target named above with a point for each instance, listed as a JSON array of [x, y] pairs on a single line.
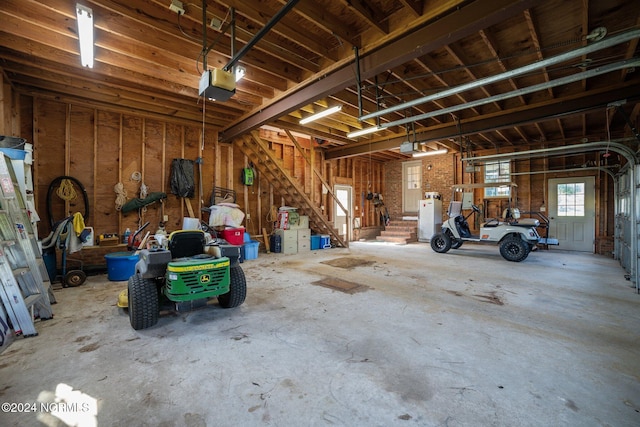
[[501, 178]]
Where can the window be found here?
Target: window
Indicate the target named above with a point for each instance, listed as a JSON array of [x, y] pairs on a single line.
[[413, 177], [571, 199], [497, 172]]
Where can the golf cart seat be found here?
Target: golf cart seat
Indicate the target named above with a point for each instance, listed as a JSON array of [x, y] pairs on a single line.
[[512, 217], [186, 243]]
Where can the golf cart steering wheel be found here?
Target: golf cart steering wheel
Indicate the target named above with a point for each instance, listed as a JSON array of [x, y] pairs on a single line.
[[475, 208]]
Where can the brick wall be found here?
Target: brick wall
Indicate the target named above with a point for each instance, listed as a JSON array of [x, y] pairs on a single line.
[[605, 245], [438, 174]]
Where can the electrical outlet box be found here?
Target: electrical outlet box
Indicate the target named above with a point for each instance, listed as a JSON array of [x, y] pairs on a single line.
[[165, 218], [177, 7], [215, 23], [248, 216]]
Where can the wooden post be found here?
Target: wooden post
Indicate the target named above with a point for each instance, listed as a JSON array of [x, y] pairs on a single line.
[[267, 245]]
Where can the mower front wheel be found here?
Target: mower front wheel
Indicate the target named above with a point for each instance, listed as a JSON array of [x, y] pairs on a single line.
[[144, 306], [441, 242], [237, 289]]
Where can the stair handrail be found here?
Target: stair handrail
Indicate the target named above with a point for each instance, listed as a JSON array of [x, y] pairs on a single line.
[[260, 143], [324, 182]]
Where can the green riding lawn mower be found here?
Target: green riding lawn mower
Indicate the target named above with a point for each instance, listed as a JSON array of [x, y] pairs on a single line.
[[184, 277]]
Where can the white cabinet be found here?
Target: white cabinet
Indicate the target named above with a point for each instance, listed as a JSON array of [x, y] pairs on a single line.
[[429, 218], [304, 239], [288, 240]]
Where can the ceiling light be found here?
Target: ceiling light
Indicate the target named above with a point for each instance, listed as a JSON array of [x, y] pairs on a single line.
[[321, 114], [85, 34], [365, 131], [431, 153], [240, 72]]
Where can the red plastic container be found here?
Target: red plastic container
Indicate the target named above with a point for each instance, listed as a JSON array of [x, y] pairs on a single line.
[[235, 236]]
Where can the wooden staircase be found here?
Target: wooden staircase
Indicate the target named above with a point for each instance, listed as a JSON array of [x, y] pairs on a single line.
[[272, 168], [400, 232]]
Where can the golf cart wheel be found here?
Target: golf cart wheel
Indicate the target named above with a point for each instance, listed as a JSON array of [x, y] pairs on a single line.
[[441, 242], [74, 278], [237, 289], [514, 249], [455, 244], [144, 306]]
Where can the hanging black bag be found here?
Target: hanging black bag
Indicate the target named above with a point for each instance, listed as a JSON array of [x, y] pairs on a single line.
[[182, 178]]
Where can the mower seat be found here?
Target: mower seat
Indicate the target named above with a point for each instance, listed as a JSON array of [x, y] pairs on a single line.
[[186, 243]]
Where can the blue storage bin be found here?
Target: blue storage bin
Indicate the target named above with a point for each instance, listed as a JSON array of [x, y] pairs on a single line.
[[325, 241], [251, 249], [247, 237], [121, 265], [315, 242]]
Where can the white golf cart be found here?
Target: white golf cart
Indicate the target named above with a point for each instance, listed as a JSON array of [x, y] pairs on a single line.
[[515, 236]]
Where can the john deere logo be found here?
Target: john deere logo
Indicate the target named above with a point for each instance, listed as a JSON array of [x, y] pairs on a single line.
[[205, 278]]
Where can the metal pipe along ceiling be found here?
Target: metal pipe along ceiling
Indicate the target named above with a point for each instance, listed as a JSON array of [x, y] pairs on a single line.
[[612, 41], [567, 149], [628, 63]]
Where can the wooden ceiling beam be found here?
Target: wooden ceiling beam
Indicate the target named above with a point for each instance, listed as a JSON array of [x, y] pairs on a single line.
[[370, 14], [150, 37], [317, 14], [631, 49], [492, 44], [533, 31], [460, 58], [296, 127], [260, 14], [271, 42], [176, 115], [585, 31], [429, 67], [463, 22], [415, 6]]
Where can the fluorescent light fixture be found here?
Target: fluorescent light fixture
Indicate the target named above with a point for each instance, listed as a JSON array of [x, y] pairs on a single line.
[[321, 114], [431, 153], [365, 131], [85, 34], [240, 72]]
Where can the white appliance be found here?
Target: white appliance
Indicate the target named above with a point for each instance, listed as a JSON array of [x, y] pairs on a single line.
[[429, 218]]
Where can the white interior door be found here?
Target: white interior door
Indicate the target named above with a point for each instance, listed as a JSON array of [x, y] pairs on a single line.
[[572, 211], [412, 186], [344, 193]]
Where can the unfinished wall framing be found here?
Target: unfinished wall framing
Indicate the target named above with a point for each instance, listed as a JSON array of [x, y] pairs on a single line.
[[101, 147]]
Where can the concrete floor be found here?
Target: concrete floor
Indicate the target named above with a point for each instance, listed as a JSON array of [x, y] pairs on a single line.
[[458, 339]]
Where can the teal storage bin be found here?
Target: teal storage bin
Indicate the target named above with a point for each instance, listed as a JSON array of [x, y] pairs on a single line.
[[121, 265], [315, 242], [251, 249]]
